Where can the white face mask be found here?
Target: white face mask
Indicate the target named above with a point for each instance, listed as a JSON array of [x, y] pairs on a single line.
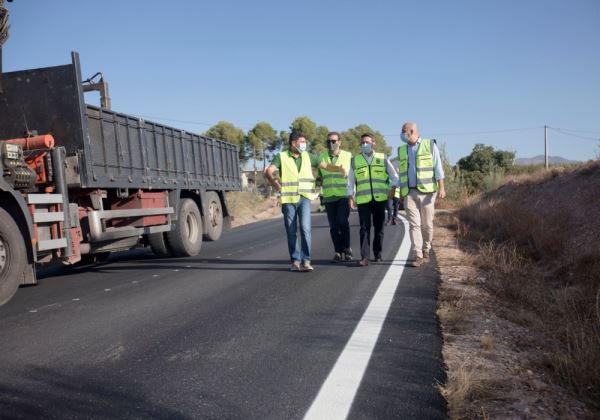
[[404, 137], [301, 147]]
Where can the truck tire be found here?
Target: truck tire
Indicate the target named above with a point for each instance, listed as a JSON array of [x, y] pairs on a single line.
[[185, 239], [158, 244], [13, 256], [214, 218]]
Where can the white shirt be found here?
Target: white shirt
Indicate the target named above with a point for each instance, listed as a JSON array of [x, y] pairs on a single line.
[[388, 167]]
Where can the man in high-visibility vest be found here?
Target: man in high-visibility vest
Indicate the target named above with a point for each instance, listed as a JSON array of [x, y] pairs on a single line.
[[421, 179], [369, 180], [335, 196], [297, 188]]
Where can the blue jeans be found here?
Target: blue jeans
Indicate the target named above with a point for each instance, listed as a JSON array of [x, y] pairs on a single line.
[[291, 213]]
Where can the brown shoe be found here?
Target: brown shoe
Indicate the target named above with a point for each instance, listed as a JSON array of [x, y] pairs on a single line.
[[416, 263], [426, 256], [364, 262]]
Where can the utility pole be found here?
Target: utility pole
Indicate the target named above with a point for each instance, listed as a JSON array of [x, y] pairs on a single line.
[[254, 159], [546, 147]]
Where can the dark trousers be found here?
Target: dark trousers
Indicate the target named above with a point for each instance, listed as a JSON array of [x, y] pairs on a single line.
[[376, 211], [392, 209], [337, 214]]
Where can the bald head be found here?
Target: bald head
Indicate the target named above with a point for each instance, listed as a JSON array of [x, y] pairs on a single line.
[[410, 130]]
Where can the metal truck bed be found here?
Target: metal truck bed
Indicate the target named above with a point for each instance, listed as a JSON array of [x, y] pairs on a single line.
[[107, 149]]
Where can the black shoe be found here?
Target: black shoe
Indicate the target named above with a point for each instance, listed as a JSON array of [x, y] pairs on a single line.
[[377, 258], [337, 258], [348, 254]]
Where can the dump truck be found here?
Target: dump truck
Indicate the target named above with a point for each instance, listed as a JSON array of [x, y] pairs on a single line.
[[80, 181]]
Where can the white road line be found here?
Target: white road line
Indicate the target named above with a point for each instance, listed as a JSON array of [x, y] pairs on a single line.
[[339, 389]]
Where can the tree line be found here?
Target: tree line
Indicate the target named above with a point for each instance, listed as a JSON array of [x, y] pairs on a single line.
[[479, 171], [262, 141]]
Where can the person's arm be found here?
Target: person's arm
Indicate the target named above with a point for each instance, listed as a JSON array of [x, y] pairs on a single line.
[[270, 171], [393, 176], [331, 167], [351, 182], [269, 174], [438, 170]]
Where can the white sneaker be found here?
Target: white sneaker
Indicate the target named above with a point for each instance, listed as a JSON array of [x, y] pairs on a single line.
[[306, 266]]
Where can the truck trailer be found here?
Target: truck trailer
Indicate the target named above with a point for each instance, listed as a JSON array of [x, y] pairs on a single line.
[[80, 181]]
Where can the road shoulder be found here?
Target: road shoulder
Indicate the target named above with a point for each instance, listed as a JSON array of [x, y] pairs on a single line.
[[494, 366]]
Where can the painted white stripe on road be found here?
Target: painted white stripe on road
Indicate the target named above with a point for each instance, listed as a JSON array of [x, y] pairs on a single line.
[[339, 389]]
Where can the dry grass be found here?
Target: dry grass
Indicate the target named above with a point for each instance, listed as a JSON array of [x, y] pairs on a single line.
[[245, 206], [539, 241], [467, 384], [487, 343], [460, 387]]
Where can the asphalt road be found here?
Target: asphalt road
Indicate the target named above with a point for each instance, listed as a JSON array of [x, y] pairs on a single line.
[[229, 334]]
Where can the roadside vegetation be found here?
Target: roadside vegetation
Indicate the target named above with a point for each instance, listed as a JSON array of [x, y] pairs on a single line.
[[251, 206], [530, 241], [260, 142]]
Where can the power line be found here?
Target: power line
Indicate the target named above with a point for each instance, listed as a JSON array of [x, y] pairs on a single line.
[[566, 133], [150, 117], [579, 131], [469, 133]]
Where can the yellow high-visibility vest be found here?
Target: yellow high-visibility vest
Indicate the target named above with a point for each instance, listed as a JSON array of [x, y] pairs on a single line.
[[294, 183], [426, 182], [334, 184], [371, 180]]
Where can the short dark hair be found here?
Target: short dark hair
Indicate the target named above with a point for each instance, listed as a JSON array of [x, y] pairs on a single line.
[[367, 135], [334, 133], [295, 135]]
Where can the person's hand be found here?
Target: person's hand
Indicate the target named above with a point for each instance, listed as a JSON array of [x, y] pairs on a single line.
[[442, 193], [342, 171], [391, 194], [351, 203], [277, 185]]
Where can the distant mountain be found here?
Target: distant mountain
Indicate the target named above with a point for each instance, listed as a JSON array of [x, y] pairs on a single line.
[[552, 160]]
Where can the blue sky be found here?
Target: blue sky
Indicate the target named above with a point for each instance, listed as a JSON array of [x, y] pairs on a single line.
[[464, 70]]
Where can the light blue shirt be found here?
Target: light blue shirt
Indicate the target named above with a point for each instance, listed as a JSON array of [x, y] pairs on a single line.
[[438, 170]]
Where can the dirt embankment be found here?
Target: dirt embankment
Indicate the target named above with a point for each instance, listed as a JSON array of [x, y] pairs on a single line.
[[247, 207], [520, 298]]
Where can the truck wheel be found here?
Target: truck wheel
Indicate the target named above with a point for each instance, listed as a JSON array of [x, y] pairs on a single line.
[[158, 243], [13, 256], [186, 239], [214, 217]]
